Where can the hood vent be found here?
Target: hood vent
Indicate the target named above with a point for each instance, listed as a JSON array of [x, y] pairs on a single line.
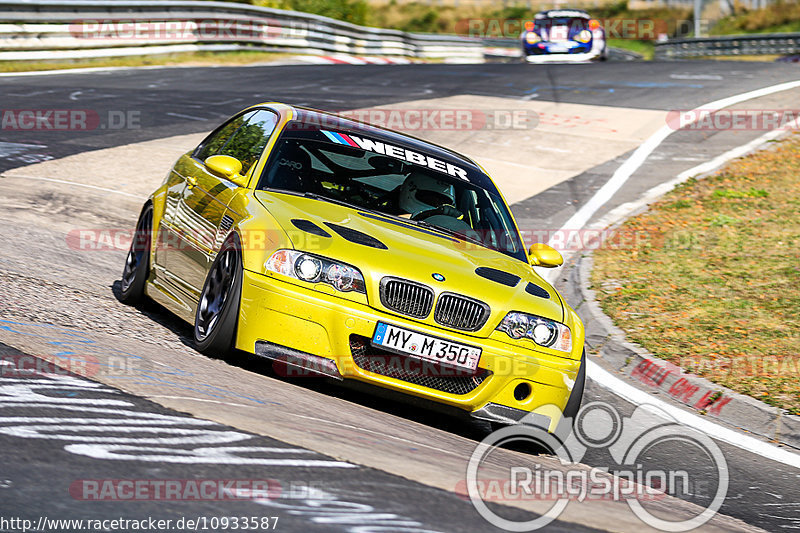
[[357, 237], [310, 227], [535, 290], [498, 276]]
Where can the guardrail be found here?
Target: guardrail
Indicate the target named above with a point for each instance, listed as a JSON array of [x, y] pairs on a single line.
[[730, 45], [63, 29]]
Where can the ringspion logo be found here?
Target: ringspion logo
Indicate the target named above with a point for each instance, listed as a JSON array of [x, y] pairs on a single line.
[[627, 441]]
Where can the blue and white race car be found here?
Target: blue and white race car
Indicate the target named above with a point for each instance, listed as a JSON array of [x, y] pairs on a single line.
[[563, 35]]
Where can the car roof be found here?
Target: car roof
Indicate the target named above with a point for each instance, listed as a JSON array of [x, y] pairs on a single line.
[[563, 13]]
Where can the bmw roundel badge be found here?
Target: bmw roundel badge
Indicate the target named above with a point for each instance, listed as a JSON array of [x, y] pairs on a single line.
[[438, 277]]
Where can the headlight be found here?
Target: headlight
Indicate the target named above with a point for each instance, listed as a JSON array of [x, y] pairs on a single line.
[[308, 268], [315, 269], [584, 36], [542, 331], [532, 37]]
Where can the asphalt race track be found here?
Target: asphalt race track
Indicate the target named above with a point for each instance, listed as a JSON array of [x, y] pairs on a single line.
[[374, 463]]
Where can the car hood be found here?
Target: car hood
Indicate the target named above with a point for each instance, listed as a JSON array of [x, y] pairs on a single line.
[[384, 246]]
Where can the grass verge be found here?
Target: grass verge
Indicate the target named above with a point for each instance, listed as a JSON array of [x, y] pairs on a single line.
[[766, 57], [185, 59], [778, 17], [645, 48], [712, 281]]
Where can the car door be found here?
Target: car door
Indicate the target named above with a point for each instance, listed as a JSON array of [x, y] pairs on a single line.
[[201, 217]]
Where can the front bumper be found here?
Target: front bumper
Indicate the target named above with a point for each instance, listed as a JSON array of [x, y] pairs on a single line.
[[563, 58], [277, 317]]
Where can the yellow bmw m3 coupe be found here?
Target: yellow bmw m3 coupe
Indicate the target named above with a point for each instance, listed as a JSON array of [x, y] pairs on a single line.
[[341, 249]]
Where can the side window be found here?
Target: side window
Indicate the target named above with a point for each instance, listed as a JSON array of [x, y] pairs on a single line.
[[249, 140], [244, 138], [214, 142]]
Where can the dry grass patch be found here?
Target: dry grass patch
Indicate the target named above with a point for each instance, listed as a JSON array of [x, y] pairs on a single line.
[[713, 281]]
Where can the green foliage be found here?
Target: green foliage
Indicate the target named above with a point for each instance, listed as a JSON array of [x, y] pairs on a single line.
[[781, 16], [354, 11], [724, 220], [679, 204], [731, 193]]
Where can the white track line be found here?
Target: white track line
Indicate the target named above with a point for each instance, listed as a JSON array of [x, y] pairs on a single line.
[[617, 214], [80, 70], [7, 176], [612, 383], [637, 396]]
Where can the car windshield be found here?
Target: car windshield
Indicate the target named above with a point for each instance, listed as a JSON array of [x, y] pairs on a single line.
[[369, 172], [571, 24]]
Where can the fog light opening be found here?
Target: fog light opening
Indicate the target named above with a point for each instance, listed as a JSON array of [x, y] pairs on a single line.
[[522, 392]]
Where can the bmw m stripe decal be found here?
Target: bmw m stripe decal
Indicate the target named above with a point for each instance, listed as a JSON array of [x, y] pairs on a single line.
[[340, 138]]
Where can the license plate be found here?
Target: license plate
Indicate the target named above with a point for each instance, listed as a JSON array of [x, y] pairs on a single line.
[[426, 346], [558, 48]]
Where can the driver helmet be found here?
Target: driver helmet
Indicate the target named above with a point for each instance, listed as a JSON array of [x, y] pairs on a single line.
[[420, 192]]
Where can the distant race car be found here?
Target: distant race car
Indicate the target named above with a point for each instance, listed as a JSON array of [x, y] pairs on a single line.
[[345, 250], [563, 35]]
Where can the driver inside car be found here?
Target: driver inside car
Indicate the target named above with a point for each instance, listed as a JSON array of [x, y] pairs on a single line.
[[421, 196]]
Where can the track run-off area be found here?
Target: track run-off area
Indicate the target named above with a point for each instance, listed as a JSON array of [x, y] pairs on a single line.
[[149, 407]]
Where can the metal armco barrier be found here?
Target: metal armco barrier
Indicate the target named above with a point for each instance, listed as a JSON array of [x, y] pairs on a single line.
[[731, 45], [64, 29]]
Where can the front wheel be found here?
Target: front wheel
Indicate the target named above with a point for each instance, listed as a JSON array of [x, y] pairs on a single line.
[[218, 308], [137, 262]]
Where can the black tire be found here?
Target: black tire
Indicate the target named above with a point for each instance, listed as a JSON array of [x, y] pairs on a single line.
[[576, 396], [218, 307], [137, 262]]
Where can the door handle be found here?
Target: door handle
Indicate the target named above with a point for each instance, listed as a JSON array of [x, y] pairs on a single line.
[[191, 181]]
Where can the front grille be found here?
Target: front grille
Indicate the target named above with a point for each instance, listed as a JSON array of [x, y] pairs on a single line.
[[413, 370], [460, 312], [406, 297]]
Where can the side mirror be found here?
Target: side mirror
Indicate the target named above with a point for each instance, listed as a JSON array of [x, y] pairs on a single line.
[[228, 167], [543, 255]]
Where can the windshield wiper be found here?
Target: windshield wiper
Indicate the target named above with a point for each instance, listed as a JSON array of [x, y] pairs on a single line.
[[336, 201], [447, 231]]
